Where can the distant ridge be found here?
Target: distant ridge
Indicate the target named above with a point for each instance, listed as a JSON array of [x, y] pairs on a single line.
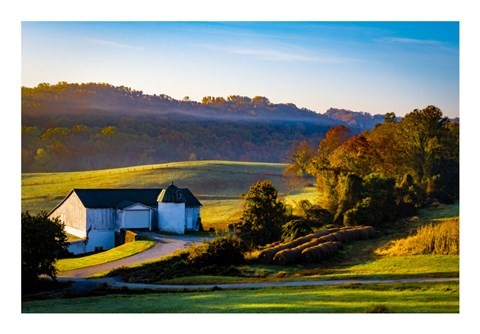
[[72, 126], [73, 98]]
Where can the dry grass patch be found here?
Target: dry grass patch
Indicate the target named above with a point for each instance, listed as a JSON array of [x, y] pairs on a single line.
[[438, 238]]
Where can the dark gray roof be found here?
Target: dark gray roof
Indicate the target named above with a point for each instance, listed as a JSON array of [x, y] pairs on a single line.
[[111, 198], [173, 194], [122, 198]]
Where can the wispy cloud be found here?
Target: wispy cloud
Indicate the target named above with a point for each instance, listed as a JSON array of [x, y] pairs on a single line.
[[114, 44], [291, 55], [411, 41]]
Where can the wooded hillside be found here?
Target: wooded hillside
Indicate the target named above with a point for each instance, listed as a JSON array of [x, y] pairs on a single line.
[[69, 127]]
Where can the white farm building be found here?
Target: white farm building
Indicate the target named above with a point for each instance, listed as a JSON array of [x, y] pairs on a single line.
[[95, 215]]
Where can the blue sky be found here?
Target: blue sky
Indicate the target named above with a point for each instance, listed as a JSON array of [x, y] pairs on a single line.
[[376, 67]]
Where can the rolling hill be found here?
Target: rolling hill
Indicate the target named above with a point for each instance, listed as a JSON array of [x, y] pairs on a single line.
[[217, 184]]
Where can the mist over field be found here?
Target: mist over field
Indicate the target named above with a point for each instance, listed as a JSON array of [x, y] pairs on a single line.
[[72, 127]]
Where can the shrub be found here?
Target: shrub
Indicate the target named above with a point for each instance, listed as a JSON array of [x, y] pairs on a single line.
[[296, 228], [219, 251], [365, 212], [213, 257]]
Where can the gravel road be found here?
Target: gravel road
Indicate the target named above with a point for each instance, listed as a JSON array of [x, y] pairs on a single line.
[[166, 244]]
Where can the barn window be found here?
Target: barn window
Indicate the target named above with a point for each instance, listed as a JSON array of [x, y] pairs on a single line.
[[179, 195]]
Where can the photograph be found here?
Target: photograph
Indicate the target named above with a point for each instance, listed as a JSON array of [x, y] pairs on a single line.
[[240, 167], [256, 166]]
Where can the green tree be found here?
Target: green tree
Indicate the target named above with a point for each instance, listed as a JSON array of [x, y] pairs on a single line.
[[263, 215], [422, 132], [43, 242], [350, 192]]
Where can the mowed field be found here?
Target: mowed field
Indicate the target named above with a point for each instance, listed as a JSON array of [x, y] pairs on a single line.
[[218, 185]]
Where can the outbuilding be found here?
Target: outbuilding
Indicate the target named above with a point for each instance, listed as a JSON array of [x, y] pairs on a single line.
[[95, 215]]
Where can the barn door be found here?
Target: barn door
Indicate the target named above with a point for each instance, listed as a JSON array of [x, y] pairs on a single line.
[[137, 219]]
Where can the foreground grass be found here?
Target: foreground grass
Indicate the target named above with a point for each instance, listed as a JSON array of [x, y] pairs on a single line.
[[390, 267], [113, 254], [356, 298], [385, 267]]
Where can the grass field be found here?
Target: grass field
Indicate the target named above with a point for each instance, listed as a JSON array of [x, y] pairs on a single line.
[[355, 298], [218, 185], [110, 255]]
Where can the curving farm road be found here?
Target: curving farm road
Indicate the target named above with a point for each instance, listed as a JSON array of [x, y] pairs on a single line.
[[166, 244]]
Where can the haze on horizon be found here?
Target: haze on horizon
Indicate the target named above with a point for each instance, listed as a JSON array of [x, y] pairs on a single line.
[[376, 67]]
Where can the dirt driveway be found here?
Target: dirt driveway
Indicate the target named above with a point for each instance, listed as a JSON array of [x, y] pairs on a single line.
[[166, 244]]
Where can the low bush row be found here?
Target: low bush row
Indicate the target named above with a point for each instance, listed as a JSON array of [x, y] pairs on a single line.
[[315, 246]]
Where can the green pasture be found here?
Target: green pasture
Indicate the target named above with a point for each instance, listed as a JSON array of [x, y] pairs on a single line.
[[354, 298]]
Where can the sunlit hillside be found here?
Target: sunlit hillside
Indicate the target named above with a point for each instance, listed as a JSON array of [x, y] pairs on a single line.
[[218, 185]]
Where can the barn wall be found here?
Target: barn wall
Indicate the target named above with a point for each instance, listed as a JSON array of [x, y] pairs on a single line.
[[171, 217], [73, 214], [101, 219], [96, 239], [191, 216], [77, 247], [76, 232], [104, 239]]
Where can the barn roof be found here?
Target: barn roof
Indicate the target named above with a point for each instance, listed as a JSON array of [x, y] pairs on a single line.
[[121, 198], [111, 198], [173, 194]]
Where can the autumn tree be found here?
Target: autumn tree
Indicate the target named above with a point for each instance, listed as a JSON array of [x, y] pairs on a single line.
[[333, 139], [299, 168], [388, 171], [108, 131], [355, 155]]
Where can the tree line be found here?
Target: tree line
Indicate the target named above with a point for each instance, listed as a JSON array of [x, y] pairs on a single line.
[[381, 174], [70, 127], [140, 142]]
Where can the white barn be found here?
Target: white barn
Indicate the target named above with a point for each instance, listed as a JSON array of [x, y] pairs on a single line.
[[95, 215]]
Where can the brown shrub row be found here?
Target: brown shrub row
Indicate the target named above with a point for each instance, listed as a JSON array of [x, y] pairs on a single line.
[[321, 251], [266, 256], [291, 252], [353, 234], [292, 255]]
